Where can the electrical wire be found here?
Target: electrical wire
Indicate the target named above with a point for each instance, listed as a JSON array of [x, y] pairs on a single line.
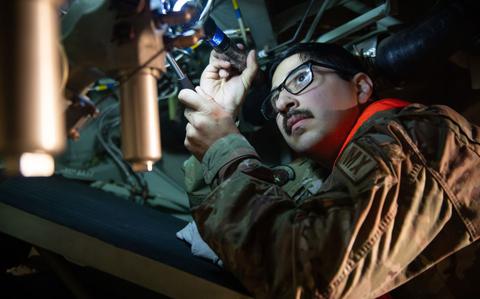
[[140, 67], [110, 125], [138, 176], [123, 80], [169, 95], [112, 150], [118, 161], [104, 144]]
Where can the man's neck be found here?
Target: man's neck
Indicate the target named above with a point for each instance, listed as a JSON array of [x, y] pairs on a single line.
[[326, 151]]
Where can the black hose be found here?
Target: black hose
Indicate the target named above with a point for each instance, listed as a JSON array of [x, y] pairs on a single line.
[[430, 42]]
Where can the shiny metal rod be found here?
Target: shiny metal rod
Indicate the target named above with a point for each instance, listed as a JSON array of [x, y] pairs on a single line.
[[32, 125], [140, 125]]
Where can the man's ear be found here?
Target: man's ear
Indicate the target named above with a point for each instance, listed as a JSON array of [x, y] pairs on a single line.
[[364, 86]]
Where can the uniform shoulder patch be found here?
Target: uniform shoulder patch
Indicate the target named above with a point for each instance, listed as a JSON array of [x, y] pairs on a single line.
[[355, 162]]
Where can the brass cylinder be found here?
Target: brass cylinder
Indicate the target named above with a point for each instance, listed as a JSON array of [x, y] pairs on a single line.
[[140, 120], [31, 105]]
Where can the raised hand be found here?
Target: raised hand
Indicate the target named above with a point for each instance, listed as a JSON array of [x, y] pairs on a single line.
[[208, 121], [226, 86]]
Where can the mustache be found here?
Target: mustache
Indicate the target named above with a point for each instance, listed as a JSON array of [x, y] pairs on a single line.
[[303, 112]]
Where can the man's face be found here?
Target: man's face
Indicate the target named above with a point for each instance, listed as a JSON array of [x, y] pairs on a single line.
[[317, 120]]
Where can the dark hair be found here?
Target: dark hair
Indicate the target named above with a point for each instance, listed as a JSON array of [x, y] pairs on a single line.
[[345, 63]]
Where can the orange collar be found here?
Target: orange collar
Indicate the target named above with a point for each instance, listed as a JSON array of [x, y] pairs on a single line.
[[377, 106]]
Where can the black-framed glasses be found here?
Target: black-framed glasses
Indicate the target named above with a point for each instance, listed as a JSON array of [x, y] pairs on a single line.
[[296, 81]]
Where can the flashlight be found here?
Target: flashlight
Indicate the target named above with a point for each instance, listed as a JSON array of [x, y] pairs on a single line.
[[224, 45]]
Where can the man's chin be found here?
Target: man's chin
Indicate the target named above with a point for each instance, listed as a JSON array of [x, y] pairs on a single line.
[[302, 146], [298, 131], [305, 141]]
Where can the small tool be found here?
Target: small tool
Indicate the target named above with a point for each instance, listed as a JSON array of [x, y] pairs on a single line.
[[182, 77]]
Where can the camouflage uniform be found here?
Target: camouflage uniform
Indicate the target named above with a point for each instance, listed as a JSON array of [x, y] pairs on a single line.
[[399, 210]]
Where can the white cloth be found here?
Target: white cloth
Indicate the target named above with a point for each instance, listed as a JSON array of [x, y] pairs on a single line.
[[199, 248]]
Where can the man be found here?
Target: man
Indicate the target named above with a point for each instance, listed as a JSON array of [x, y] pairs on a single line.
[[400, 198]]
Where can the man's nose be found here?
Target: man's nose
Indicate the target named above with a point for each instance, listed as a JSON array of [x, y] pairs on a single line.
[[285, 102]]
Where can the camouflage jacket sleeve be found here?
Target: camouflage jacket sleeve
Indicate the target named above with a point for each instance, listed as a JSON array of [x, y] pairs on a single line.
[[195, 186], [384, 215], [224, 152], [303, 177]]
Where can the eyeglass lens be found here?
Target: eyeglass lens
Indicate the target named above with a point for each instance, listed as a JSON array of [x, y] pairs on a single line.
[[294, 84]]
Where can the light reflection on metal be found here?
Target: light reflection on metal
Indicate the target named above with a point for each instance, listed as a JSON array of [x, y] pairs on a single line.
[[355, 25], [35, 164], [140, 120], [31, 105], [180, 4]]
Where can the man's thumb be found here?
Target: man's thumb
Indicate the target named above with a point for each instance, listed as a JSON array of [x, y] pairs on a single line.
[[249, 72]]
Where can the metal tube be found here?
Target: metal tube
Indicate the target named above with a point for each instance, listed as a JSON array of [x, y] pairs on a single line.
[[314, 24], [205, 13], [297, 32], [354, 25], [241, 25], [173, 63], [140, 124], [31, 110]]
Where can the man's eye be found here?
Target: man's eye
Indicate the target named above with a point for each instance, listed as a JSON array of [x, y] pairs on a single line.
[[301, 78]]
